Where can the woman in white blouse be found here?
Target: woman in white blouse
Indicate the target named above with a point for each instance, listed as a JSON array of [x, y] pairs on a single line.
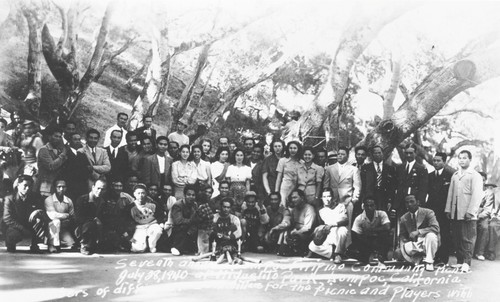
[[183, 172], [203, 174], [219, 168], [239, 176]]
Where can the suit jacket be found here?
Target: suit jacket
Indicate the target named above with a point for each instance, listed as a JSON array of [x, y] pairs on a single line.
[[142, 134], [50, 161], [76, 173], [414, 183], [100, 164], [86, 210], [346, 186], [16, 212], [426, 223], [150, 171], [465, 194], [438, 190], [387, 190], [119, 164]]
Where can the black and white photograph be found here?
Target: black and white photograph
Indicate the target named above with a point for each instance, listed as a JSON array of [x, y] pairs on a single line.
[[249, 150]]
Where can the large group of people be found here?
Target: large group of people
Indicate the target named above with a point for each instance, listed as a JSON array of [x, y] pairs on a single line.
[[141, 192]]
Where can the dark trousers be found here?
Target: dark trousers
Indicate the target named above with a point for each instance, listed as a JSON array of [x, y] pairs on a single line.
[[366, 244], [38, 230], [183, 238], [89, 234], [482, 236], [493, 236], [445, 249], [464, 234]]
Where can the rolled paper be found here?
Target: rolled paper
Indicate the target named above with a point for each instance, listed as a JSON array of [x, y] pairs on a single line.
[[252, 260], [229, 258], [239, 242], [221, 259]]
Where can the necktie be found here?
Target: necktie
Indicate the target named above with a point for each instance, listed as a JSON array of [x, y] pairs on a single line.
[[408, 169], [114, 153], [414, 217], [93, 154], [379, 175]]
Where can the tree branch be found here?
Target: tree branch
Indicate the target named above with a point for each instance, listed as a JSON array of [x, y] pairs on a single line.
[[466, 110]]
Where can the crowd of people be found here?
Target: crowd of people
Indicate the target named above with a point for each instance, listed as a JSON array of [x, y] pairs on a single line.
[[146, 192]]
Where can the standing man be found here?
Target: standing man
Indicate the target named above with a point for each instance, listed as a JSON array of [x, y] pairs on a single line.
[[361, 154], [378, 181], [413, 180], [88, 215], [344, 181], [223, 142], [118, 157], [24, 215], [97, 156], [156, 168], [77, 169], [179, 136], [51, 158], [147, 130], [121, 123], [462, 207], [439, 184]]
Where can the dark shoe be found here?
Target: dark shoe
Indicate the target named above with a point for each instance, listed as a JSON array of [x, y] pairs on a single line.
[[52, 249], [34, 249], [11, 248]]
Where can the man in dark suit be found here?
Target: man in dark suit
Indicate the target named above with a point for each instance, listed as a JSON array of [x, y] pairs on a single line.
[[419, 234], [157, 167], [412, 180], [378, 181], [88, 216], [118, 158], [439, 183], [147, 130], [77, 169]]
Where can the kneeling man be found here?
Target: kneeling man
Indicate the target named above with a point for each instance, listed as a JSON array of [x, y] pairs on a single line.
[[419, 235]]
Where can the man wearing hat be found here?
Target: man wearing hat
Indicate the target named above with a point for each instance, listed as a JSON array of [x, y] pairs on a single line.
[[419, 234], [332, 158], [179, 136], [486, 210]]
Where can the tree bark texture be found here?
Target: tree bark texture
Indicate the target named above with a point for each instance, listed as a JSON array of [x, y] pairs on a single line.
[[34, 96]]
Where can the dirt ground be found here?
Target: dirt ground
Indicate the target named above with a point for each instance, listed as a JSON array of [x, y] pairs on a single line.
[[70, 276]]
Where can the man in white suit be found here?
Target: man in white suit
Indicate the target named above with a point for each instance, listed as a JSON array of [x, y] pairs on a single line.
[[344, 181], [97, 156], [462, 207]]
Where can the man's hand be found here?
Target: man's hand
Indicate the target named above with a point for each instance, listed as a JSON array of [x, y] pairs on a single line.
[[468, 216], [448, 215], [414, 235]]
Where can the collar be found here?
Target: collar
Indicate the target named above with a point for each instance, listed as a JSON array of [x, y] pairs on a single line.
[[364, 217], [65, 199], [440, 171]]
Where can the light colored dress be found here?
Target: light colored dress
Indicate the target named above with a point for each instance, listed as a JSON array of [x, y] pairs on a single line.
[[238, 177], [307, 180], [289, 169], [182, 174]]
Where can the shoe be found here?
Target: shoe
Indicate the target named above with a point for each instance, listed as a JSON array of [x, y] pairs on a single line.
[[337, 260], [381, 266], [175, 251], [152, 250], [260, 249], [429, 267], [481, 257], [52, 249], [85, 251], [458, 265], [11, 248], [465, 268], [34, 249]]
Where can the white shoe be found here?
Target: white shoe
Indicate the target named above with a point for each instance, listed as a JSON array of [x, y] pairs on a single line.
[[481, 257], [175, 251], [152, 250], [458, 265], [465, 268], [429, 267], [381, 266]]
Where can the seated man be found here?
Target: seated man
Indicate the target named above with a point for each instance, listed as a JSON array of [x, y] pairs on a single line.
[[24, 215], [62, 215], [204, 220], [419, 234], [334, 216], [279, 220], [143, 213], [88, 215], [294, 241], [227, 229], [483, 219], [223, 193], [370, 233], [253, 215], [184, 231]]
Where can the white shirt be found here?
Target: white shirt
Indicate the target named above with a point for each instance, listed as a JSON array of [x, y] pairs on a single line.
[[161, 163], [380, 164], [409, 166], [114, 151]]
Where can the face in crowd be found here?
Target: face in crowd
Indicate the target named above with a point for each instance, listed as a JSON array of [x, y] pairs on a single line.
[[438, 162], [464, 160], [98, 188], [121, 120], [342, 156], [296, 200], [410, 154], [116, 138], [411, 203], [308, 156], [184, 153], [206, 147], [147, 145], [377, 154], [321, 158], [190, 196], [225, 208], [140, 195], [361, 156], [224, 189], [173, 148], [278, 148], [274, 201], [60, 188], [162, 146], [148, 122], [167, 190], [92, 140], [239, 157], [132, 142], [326, 197]]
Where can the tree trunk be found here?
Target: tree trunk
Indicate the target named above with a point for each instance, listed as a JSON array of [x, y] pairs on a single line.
[[361, 30], [390, 93], [439, 87], [34, 96]]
